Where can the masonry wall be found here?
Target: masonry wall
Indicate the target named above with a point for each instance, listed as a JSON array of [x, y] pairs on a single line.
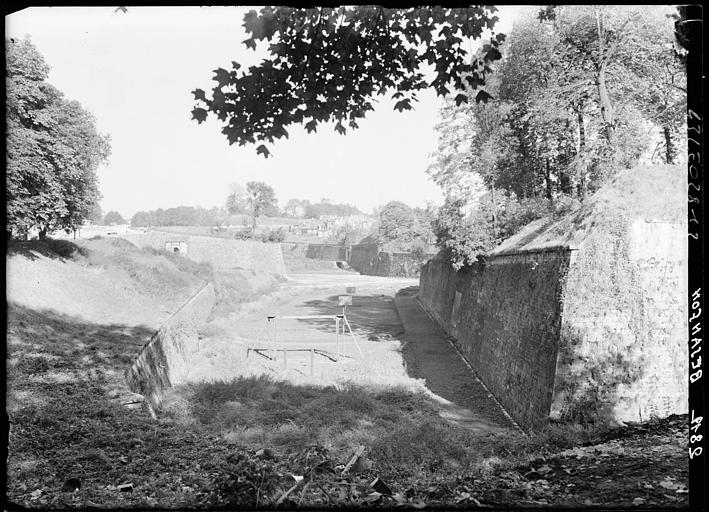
[[163, 361], [222, 253], [505, 317], [623, 345], [369, 260], [598, 333]]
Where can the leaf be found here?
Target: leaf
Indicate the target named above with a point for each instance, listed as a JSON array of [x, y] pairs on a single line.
[[263, 150], [402, 105], [249, 43], [340, 129], [199, 95], [482, 97], [199, 114], [493, 54], [311, 126], [221, 76], [460, 98]]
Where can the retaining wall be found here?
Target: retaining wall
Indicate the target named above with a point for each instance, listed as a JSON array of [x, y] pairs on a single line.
[[325, 252], [222, 253], [505, 317], [368, 259], [163, 361], [623, 342], [595, 333]]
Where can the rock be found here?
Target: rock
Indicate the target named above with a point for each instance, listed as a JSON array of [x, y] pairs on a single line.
[[125, 488]]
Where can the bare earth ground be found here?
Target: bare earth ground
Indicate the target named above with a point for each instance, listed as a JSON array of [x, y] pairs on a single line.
[[71, 337]]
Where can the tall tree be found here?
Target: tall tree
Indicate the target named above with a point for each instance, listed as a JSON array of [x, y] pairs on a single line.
[[237, 201], [327, 64], [261, 198], [396, 222], [53, 148], [113, 217]]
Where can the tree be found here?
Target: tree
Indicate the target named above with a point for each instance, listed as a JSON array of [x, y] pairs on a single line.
[[261, 197], [113, 217], [296, 207], [396, 222], [237, 201], [325, 207], [567, 111], [327, 64], [53, 149], [96, 215]]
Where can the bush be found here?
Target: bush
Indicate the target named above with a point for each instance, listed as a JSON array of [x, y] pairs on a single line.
[[467, 236], [243, 234], [274, 235]]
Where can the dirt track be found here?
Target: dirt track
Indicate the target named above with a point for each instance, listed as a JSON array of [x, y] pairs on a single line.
[[396, 338]]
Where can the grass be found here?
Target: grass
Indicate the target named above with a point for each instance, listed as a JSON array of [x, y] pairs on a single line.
[[202, 452], [407, 440]]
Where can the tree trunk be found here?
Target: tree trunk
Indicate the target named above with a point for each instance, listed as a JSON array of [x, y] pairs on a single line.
[[606, 105], [547, 179], [669, 149], [582, 157], [42, 234], [494, 211]]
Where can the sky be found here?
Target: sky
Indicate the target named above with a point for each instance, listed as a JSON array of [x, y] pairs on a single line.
[[134, 71]]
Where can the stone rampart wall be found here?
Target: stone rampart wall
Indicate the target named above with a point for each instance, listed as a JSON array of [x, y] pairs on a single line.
[[623, 345], [164, 360], [505, 316], [598, 333], [221, 253], [368, 259]]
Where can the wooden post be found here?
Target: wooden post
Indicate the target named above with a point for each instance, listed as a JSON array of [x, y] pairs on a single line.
[[312, 360], [337, 338], [285, 362]]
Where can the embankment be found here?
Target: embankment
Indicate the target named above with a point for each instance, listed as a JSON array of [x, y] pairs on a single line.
[[219, 252]]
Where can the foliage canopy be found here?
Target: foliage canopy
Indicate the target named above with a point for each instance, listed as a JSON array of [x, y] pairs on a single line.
[[53, 148], [581, 93], [327, 64]]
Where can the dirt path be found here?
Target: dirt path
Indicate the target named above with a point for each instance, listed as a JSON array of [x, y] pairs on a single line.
[[430, 356], [394, 342]]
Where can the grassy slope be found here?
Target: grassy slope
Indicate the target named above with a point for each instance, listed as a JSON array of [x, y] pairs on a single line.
[[651, 192]]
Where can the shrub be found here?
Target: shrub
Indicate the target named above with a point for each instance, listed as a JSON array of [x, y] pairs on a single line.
[[274, 235], [243, 234]]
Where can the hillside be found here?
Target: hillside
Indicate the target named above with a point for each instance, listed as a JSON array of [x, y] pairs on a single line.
[[104, 280]]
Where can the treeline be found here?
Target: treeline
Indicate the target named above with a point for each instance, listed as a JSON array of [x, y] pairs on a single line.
[[302, 208], [179, 216], [581, 92]]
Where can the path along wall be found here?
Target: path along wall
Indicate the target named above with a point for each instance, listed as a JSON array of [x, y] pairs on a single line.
[[163, 361], [597, 332], [221, 253], [505, 316]]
